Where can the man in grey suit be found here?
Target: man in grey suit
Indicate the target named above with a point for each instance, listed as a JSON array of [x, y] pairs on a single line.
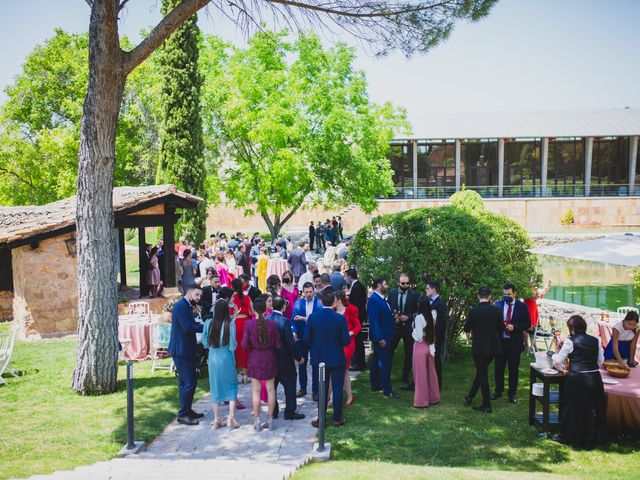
[[298, 261]]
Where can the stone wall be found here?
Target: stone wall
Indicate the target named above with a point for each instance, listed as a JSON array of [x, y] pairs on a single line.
[[45, 289], [534, 214], [561, 311], [6, 305]]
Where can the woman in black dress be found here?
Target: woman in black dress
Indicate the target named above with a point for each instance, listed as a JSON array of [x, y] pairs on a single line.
[[582, 416]]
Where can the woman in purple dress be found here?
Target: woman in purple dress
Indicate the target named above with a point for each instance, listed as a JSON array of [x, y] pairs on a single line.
[[261, 339]]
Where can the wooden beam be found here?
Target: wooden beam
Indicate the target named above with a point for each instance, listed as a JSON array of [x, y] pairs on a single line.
[[123, 261], [6, 270], [35, 239], [138, 221], [144, 261], [170, 200], [169, 250]]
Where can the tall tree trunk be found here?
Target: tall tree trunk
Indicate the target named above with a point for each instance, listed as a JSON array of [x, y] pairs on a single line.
[[97, 349]]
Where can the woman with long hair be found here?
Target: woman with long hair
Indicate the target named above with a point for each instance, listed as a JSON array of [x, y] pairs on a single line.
[[289, 292], [219, 336], [153, 274], [624, 341], [274, 285], [242, 310], [427, 391], [351, 313], [222, 270], [188, 271], [262, 339], [261, 268]]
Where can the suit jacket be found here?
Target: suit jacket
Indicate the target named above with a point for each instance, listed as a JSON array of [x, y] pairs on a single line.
[[337, 280], [520, 321], [380, 319], [287, 351], [312, 232], [253, 292], [485, 323], [328, 288], [410, 307], [183, 330], [326, 336], [442, 319], [206, 301], [298, 262], [300, 308], [358, 297]]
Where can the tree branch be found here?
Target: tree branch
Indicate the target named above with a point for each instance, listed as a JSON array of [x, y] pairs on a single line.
[[122, 4], [89, 2], [381, 10], [159, 34]]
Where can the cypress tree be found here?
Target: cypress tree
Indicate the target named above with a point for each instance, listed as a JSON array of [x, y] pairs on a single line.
[[181, 145]]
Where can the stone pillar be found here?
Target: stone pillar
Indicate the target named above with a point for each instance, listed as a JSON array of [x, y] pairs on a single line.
[[458, 153], [122, 255], [588, 157], [544, 167], [633, 158], [414, 146], [500, 166]]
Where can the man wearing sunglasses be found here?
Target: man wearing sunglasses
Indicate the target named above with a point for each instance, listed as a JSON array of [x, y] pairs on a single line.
[[403, 301]]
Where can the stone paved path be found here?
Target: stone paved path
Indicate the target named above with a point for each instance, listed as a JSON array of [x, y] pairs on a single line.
[[183, 452]]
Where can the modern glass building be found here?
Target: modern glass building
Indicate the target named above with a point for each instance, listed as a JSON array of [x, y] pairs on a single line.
[[581, 153]]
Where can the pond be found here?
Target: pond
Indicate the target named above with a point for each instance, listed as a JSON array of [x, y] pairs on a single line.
[[592, 284]]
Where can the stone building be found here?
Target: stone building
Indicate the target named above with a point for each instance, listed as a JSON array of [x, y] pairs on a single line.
[[38, 283]]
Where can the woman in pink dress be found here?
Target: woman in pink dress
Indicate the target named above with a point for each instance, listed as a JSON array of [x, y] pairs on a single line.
[[289, 291], [222, 270], [427, 391], [153, 274], [242, 310]]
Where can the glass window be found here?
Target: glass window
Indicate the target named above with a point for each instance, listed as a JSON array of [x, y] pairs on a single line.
[[479, 166], [401, 160], [565, 175], [522, 167], [610, 161], [436, 164]]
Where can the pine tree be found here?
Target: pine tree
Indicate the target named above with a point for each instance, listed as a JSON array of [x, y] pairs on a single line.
[[181, 144]]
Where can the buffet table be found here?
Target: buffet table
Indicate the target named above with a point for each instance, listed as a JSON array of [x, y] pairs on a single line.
[[136, 329], [277, 266], [623, 402]]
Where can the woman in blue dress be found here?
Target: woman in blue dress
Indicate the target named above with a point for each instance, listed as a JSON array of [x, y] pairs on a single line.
[[624, 341], [219, 336]]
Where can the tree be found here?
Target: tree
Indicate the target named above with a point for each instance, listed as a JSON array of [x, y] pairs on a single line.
[[40, 124], [182, 148], [463, 249], [409, 26], [296, 131]]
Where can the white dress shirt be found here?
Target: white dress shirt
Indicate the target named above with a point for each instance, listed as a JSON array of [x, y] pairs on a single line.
[[567, 348], [309, 307], [418, 332]]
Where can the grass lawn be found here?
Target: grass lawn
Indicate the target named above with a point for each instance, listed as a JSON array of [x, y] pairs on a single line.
[[389, 439], [45, 426]]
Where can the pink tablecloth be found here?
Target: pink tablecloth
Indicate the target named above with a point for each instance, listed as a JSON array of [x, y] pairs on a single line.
[[277, 267], [139, 334], [623, 402], [603, 331]]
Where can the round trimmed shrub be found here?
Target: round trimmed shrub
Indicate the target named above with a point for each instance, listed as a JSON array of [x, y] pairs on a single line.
[[463, 250]]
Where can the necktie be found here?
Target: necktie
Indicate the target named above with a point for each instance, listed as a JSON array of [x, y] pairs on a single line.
[[401, 303], [508, 320]]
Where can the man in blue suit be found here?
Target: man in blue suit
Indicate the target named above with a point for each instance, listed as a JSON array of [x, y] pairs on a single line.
[[327, 335], [381, 323], [286, 367], [182, 347], [302, 310], [515, 315]]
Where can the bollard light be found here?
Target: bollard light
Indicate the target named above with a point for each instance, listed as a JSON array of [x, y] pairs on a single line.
[[321, 407], [131, 444]]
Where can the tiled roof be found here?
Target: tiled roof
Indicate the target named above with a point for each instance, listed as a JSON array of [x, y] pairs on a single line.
[[18, 223]]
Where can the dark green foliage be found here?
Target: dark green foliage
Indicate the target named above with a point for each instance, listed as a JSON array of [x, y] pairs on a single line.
[[462, 250], [181, 145]]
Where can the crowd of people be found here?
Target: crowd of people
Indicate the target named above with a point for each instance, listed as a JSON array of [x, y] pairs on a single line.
[[267, 330]]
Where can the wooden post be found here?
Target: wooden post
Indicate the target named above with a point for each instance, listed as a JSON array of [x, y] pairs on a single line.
[[123, 261], [143, 260], [168, 234]]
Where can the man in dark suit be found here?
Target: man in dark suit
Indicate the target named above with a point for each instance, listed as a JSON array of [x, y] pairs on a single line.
[[381, 333], [302, 310], [486, 326], [326, 336], [298, 261], [210, 293], [358, 297], [241, 259], [250, 290], [312, 235], [182, 347], [442, 319], [515, 316], [286, 366], [336, 277], [325, 285], [404, 304]]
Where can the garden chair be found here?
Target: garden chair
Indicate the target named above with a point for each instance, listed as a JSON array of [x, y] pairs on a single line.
[[7, 341], [624, 310], [160, 336], [138, 308]]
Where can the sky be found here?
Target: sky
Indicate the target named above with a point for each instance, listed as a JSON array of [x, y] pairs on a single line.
[[526, 55]]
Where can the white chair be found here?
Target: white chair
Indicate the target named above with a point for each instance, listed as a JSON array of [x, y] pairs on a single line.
[[139, 308], [7, 341], [160, 336], [625, 310]]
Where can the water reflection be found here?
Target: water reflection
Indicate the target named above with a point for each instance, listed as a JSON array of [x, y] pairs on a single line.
[[592, 284]]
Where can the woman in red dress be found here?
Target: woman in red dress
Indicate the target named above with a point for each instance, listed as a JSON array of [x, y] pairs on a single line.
[[353, 326], [244, 308]]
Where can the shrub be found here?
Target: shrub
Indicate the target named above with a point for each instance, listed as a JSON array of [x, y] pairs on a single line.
[[462, 250], [567, 218], [636, 284], [468, 200]]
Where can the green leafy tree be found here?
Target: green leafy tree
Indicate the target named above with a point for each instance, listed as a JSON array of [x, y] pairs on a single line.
[[181, 144], [40, 124], [296, 124], [461, 249]]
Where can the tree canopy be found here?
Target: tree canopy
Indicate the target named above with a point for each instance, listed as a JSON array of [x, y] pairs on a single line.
[[293, 123]]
